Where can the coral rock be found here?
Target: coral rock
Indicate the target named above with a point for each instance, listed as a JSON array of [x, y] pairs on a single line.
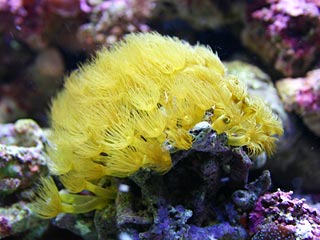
[[111, 20], [18, 219], [22, 156], [284, 33], [278, 215], [302, 95]]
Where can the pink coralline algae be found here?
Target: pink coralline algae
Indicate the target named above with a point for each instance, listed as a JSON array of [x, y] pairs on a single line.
[[73, 24], [22, 161], [278, 216], [285, 33], [308, 96], [110, 20], [22, 157], [5, 228], [302, 95], [32, 21], [18, 221]]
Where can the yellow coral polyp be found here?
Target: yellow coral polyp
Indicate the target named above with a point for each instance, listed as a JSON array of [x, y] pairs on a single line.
[[51, 202], [150, 123], [117, 112]]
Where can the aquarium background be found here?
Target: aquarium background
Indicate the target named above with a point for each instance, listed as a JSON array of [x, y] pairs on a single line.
[[272, 46]]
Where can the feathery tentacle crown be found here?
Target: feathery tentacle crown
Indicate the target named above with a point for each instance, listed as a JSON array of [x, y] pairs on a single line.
[[115, 112]]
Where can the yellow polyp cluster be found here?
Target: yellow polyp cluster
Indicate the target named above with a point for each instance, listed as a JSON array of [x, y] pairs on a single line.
[[116, 112], [247, 122], [50, 202]]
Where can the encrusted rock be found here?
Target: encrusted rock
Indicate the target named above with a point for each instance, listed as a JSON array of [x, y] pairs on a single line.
[[284, 33], [22, 156], [302, 96]]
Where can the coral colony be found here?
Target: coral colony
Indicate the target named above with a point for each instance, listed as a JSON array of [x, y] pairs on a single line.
[[132, 107]]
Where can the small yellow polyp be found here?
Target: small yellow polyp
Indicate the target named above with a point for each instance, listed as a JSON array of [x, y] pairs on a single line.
[[116, 111]]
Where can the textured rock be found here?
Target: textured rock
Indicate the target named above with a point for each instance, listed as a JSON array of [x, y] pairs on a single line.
[[22, 156], [285, 33]]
